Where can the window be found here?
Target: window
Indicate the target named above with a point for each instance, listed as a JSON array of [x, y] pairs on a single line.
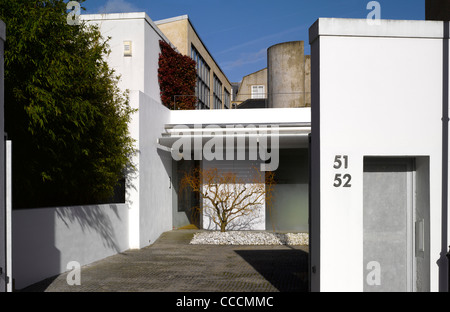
[[127, 51], [258, 92], [203, 75], [226, 99], [217, 93]]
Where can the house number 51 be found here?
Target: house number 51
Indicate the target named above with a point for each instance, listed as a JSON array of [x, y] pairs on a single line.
[[340, 179]]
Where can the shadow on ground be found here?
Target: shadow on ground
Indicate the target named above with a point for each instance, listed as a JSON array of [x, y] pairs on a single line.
[[286, 270], [39, 286], [171, 264]]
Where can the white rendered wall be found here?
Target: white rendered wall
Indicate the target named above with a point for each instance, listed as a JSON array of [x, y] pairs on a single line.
[[149, 202], [241, 116], [45, 240], [131, 69], [139, 71], [378, 91], [149, 192], [155, 171]]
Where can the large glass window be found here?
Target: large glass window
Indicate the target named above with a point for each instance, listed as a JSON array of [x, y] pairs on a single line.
[[203, 76], [226, 99], [217, 93]]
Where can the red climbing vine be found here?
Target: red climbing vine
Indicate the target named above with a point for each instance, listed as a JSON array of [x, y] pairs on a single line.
[[177, 79]]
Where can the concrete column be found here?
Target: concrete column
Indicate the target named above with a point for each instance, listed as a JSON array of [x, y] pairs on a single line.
[[308, 80], [286, 75]]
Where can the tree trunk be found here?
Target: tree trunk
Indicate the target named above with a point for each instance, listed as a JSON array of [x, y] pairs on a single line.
[[223, 225]]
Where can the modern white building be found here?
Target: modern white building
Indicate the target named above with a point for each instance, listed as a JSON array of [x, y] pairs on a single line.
[[379, 183], [89, 233], [158, 172], [370, 184]]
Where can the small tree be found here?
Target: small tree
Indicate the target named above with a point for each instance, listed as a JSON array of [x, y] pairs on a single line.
[[64, 111], [226, 197]]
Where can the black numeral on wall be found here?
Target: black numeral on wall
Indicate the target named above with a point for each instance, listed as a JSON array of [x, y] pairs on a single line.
[[341, 180]]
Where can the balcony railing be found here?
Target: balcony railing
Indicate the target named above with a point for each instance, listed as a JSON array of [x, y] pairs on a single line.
[[248, 101]]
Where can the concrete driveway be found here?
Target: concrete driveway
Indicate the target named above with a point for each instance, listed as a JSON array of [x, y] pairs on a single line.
[[172, 265]]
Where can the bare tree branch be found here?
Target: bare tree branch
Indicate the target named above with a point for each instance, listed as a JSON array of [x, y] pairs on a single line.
[[226, 197]]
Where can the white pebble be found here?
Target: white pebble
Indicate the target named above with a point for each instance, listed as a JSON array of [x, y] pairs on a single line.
[[249, 238]]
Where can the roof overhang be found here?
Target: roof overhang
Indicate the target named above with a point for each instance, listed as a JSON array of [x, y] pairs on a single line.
[[285, 135]]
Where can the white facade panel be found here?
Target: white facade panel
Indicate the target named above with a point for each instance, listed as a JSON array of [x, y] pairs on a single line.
[[155, 171], [150, 214], [242, 116], [379, 93]]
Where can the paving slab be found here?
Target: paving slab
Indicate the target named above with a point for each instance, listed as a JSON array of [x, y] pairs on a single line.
[[171, 264]]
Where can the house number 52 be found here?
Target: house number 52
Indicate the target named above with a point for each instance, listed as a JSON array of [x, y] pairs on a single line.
[[341, 179]]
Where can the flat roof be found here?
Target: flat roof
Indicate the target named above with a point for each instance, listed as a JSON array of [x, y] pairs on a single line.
[[172, 19], [125, 16], [288, 135], [383, 28]]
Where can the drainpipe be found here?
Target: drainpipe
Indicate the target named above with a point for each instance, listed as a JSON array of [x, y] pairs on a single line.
[[439, 10]]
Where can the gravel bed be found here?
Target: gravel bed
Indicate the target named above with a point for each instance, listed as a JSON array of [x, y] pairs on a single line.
[[249, 238]]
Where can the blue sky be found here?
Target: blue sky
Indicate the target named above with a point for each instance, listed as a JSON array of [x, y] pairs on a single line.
[[238, 32]]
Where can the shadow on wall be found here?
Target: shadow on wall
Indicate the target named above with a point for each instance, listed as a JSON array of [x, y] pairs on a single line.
[[92, 218], [46, 240], [34, 254]]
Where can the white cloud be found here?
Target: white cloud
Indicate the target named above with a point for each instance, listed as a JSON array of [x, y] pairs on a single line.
[[262, 39], [245, 59], [118, 6]]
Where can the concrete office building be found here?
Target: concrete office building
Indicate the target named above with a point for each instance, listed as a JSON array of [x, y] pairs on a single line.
[[287, 76], [213, 87], [286, 82], [252, 90]]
